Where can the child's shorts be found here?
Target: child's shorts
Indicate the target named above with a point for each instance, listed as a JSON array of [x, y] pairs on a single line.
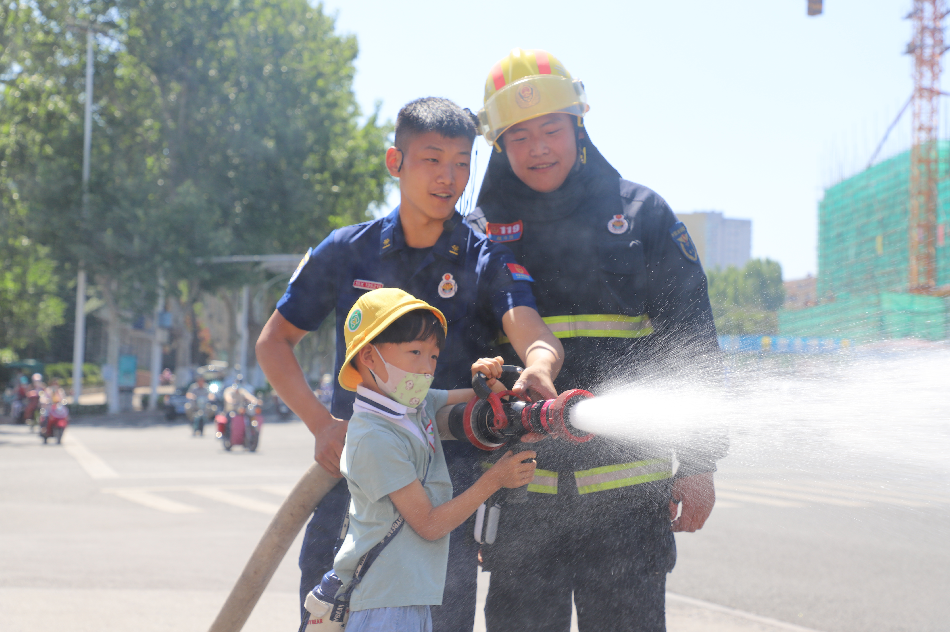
[[402, 619]]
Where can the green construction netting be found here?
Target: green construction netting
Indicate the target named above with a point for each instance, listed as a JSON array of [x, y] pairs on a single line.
[[863, 232], [870, 317]]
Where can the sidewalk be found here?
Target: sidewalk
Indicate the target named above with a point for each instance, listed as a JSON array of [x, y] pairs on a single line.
[[95, 396]]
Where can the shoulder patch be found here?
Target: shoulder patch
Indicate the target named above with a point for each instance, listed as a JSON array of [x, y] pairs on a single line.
[[300, 266], [519, 273], [505, 232], [681, 238]]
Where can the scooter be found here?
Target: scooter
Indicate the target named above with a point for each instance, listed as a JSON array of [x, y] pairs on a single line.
[[57, 418], [196, 410], [240, 427]]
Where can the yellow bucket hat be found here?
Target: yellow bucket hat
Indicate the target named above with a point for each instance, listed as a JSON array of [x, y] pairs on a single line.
[[369, 317]]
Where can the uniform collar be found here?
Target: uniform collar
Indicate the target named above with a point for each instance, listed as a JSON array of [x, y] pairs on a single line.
[[450, 245]]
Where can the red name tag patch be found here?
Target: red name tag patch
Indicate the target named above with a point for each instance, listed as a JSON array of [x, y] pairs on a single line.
[[505, 232], [360, 284]]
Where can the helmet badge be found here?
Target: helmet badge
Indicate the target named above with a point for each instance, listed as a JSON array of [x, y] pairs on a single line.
[[527, 96]]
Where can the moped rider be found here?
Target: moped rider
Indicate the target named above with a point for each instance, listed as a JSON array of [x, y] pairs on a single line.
[[55, 393], [237, 397], [197, 396]]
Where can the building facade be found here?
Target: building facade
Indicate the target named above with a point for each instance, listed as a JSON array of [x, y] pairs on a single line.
[[720, 241]]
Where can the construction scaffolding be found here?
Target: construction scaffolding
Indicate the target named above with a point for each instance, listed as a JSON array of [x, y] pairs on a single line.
[[864, 258], [862, 230]]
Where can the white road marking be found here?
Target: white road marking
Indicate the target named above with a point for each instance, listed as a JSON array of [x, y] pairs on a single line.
[[152, 500], [742, 614], [773, 491], [856, 494], [758, 500], [237, 500], [94, 466]]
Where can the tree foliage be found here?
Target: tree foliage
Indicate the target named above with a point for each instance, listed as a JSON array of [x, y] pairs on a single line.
[[220, 127], [746, 301]]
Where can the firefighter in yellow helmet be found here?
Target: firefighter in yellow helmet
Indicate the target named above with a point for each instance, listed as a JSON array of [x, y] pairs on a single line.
[[619, 282]]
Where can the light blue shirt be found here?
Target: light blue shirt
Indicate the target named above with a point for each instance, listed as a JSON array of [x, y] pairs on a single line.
[[388, 446]]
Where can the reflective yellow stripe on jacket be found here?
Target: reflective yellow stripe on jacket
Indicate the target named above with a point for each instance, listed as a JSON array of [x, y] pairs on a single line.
[[544, 482], [607, 477], [596, 326]]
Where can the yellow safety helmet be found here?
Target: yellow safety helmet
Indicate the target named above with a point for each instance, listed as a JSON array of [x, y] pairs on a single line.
[[524, 85]]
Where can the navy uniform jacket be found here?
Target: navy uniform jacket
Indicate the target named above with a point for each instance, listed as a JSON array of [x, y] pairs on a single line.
[[620, 283], [464, 275]]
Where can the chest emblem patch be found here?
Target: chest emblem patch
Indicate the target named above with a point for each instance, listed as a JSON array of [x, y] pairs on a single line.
[[618, 225], [505, 232], [361, 284], [519, 273], [681, 238], [448, 286]]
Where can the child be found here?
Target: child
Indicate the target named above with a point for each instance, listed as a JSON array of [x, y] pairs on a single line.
[[394, 465]]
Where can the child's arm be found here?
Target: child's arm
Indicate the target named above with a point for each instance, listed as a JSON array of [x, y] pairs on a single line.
[[433, 523]]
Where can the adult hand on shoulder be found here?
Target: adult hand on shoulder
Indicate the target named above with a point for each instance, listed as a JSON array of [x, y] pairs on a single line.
[[329, 445], [698, 495], [535, 383]]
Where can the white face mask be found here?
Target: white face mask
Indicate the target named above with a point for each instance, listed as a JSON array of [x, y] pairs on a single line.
[[409, 389]]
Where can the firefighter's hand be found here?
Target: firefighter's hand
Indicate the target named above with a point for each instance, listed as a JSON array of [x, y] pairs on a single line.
[[511, 471], [490, 368], [698, 495], [535, 384], [329, 445]]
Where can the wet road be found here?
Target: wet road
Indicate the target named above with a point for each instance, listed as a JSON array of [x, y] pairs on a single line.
[[136, 525]]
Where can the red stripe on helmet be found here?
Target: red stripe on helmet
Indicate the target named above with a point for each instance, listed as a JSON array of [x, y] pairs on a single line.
[[544, 64], [498, 76]]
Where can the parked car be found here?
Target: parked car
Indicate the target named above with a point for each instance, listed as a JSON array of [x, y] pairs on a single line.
[[175, 403]]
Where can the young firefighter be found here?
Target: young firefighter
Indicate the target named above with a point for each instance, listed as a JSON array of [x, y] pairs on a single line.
[[394, 464], [424, 248]]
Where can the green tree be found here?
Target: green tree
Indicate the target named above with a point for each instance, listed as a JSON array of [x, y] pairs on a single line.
[[746, 301], [219, 128]]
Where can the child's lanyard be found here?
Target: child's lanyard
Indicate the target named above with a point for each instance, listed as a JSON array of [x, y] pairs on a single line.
[[363, 565]]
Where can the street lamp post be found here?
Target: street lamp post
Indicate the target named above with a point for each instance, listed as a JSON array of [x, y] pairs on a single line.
[[79, 333]]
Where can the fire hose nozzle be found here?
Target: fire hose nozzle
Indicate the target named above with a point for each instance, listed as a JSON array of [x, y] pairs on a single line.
[[490, 420]]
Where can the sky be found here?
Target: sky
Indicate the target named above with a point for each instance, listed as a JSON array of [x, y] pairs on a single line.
[[747, 107]]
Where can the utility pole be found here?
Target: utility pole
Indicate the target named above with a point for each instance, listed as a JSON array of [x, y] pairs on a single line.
[[245, 316], [79, 333]]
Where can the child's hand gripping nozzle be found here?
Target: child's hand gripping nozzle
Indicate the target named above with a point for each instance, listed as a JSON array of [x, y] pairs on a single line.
[[497, 421]]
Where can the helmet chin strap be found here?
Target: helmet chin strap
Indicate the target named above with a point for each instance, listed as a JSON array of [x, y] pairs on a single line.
[[579, 136]]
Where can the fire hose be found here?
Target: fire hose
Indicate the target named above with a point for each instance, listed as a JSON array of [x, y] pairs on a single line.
[[491, 421], [280, 534]]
